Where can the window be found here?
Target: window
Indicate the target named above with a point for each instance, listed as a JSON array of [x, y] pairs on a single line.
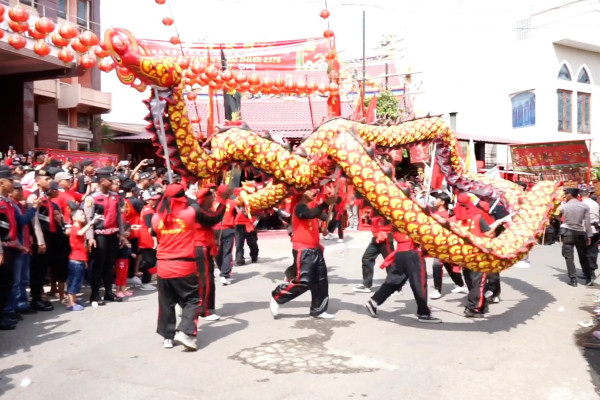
[[524, 29], [63, 117], [63, 145], [583, 76], [564, 110], [491, 155], [62, 8], [83, 121], [28, 2], [83, 13], [523, 110], [583, 112], [83, 146], [564, 73]]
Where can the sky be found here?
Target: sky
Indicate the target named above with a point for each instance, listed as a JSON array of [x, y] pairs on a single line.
[[435, 28]]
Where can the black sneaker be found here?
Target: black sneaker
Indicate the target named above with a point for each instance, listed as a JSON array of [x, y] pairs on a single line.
[[572, 282], [428, 319], [589, 282], [27, 310], [371, 308], [472, 314]]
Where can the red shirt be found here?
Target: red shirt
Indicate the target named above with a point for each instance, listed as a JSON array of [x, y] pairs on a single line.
[[176, 252], [305, 232], [145, 240], [229, 217], [77, 242]]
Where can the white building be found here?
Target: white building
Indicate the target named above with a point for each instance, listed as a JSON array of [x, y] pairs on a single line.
[[527, 71]]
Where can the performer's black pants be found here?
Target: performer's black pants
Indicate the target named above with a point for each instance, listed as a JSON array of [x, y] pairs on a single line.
[[40, 263], [206, 279], [58, 257], [242, 236], [224, 258], [407, 264], [6, 276], [593, 251], [311, 273], [148, 262], [493, 284], [135, 249], [103, 257], [182, 291], [574, 239], [370, 255], [438, 274], [476, 300]]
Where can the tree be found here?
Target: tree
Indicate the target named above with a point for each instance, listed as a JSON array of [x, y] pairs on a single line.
[[387, 105]]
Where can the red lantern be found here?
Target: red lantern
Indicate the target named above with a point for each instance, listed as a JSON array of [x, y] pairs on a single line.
[[78, 46], [68, 31], [328, 33], [301, 86], [160, 1], [17, 41], [41, 48], [58, 40], [215, 85], [106, 65], [191, 96], [19, 27], [44, 25], [1, 34], [311, 87], [245, 86], [65, 55], [89, 39], [322, 88], [279, 82], [2, 13], [324, 13], [333, 88], [211, 72], [35, 34], [226, 75], [87, 60], [168, 21], [254, 80], [183, 62], [18, 14], [266, 82], [175, 40], [195, 120], [198, 67], [289, 86], [101, 51], [190, 74], [240, 77]]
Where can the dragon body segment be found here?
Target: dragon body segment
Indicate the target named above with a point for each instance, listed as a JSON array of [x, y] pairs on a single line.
[[343, 143]]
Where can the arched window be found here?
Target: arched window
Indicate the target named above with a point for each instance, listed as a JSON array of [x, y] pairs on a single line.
[[564, 73], [523, 110], [583, 76]]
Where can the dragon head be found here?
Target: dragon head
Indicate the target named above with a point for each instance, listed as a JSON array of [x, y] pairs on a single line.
[[133, 61]]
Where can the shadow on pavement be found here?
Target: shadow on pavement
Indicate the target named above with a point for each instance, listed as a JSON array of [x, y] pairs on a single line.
[[536, 301], [6, 382]]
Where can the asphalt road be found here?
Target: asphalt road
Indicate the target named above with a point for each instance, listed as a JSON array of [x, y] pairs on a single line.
[[525, 350]]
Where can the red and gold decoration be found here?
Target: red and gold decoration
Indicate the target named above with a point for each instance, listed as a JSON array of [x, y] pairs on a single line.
[[338, 142]]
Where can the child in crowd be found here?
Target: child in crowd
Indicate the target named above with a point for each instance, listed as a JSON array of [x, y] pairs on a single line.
[[78, 257], [122, 265]]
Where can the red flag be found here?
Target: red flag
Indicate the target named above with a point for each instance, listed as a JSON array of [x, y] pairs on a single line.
[[359, 108], [437, 178], [371, 110]]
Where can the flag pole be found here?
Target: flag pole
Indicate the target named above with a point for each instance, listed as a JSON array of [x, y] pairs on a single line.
[[430, 180], [162, 138]]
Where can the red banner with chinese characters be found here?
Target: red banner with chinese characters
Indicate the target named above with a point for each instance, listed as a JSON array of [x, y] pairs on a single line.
[[287, 55], [538, 157], [76, 157], [420, 153]]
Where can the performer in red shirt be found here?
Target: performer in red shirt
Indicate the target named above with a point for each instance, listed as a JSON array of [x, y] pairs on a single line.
[[175, 226], [225, 234], [442, 200], [406, 262], [311, 270], [381, 243], [244, 232], [206, 246]]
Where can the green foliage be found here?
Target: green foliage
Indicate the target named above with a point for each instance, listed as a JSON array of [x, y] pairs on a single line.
[[387, 105]]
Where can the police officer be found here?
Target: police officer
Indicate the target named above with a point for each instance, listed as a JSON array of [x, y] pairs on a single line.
[[105, 237]]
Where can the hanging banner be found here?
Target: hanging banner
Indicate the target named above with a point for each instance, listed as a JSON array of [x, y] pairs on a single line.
[[537, 157], [76, 157], [287, 55], [420, 153]]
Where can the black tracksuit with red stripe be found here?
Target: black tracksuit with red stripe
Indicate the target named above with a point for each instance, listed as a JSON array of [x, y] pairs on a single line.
[[311, 270], [406, 263], [476, 280], [381, 243]]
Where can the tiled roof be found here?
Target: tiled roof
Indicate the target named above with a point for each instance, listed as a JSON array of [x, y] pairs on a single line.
[[486, 139], [273, 114]]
